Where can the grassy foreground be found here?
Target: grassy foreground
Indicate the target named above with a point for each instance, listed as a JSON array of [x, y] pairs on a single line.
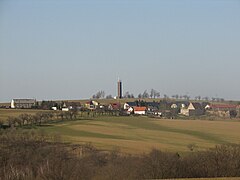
[[141, 134], [227, 178]]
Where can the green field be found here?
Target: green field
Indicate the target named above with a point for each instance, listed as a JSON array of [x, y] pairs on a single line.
[[141, 134]]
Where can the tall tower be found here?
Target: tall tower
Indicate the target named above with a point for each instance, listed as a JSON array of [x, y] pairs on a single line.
[[119, 84]]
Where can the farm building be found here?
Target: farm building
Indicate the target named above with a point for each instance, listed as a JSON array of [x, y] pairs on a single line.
[[71, 105], [91, 105], [222, 107], [114, 106], [223, 110], [23, 103], [194, 109], [179, 104], [127, 105], [139, 110], [130, 110]]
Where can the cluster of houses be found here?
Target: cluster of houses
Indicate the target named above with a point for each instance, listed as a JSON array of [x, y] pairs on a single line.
[[139, 107]]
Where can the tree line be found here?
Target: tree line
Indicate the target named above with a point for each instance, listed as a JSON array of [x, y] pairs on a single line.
[[29, 154], [156, 94], [153, 94], [41, 118], [37, 119]]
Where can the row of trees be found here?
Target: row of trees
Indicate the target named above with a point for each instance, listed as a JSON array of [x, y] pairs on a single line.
[[156, 94], [199, 98], [29, 119], [33, 155], [39, 118], [53, 116], [153, 94], [99, 95]]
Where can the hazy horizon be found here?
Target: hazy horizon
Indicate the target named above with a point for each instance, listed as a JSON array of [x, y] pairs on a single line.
[[71, 49]]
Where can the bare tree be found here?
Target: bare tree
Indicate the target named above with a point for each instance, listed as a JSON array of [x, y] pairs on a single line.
[[154, 93], [158, 94], [206, 98], [99, 95], [24, 118], [139, 95], [109, 96], [126, 95], [145, 94], [198, 98], [165, 96]]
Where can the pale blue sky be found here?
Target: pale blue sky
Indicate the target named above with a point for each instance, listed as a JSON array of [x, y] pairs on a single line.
[[51, 49]]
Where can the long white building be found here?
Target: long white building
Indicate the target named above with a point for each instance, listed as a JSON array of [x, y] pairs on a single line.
[[23, 103]]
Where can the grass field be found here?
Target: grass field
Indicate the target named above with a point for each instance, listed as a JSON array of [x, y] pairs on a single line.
[[141, 134]]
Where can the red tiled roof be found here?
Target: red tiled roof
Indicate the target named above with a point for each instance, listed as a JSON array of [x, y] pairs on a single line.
[[136, 108], [115, 105], [223, 106]]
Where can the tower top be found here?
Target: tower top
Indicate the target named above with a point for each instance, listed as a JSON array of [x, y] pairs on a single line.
[[119, 87]]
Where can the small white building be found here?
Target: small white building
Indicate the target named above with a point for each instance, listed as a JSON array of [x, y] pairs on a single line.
[[140, 110], [174, 106], [127, 105], [54, 108], [130, 110], [65, 109]]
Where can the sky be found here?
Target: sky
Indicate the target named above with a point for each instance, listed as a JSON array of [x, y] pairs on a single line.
[[69, 49]]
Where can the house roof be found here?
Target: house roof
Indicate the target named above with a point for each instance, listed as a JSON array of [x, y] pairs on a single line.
[[179, 103], [197, 105], [223, 106], [72, 103], [115, 105], [92, 103], [23, 101], [136, 108], [131, 103], [204, 104], [152, 104], [89, 102]]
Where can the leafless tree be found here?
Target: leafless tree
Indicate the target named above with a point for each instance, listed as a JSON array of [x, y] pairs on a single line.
[[109, 96], [154, 93], [145, 94], [99, 95]]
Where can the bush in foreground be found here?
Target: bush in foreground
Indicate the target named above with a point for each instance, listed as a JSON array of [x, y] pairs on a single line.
[[35, 155]]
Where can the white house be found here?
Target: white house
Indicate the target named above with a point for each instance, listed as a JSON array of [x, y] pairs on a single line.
[[54, 108], [194, 109], [139, 110], [130, 110], [127, 105], [65, 109]]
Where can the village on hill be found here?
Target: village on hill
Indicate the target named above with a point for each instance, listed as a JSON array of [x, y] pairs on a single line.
[[143, 105]]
